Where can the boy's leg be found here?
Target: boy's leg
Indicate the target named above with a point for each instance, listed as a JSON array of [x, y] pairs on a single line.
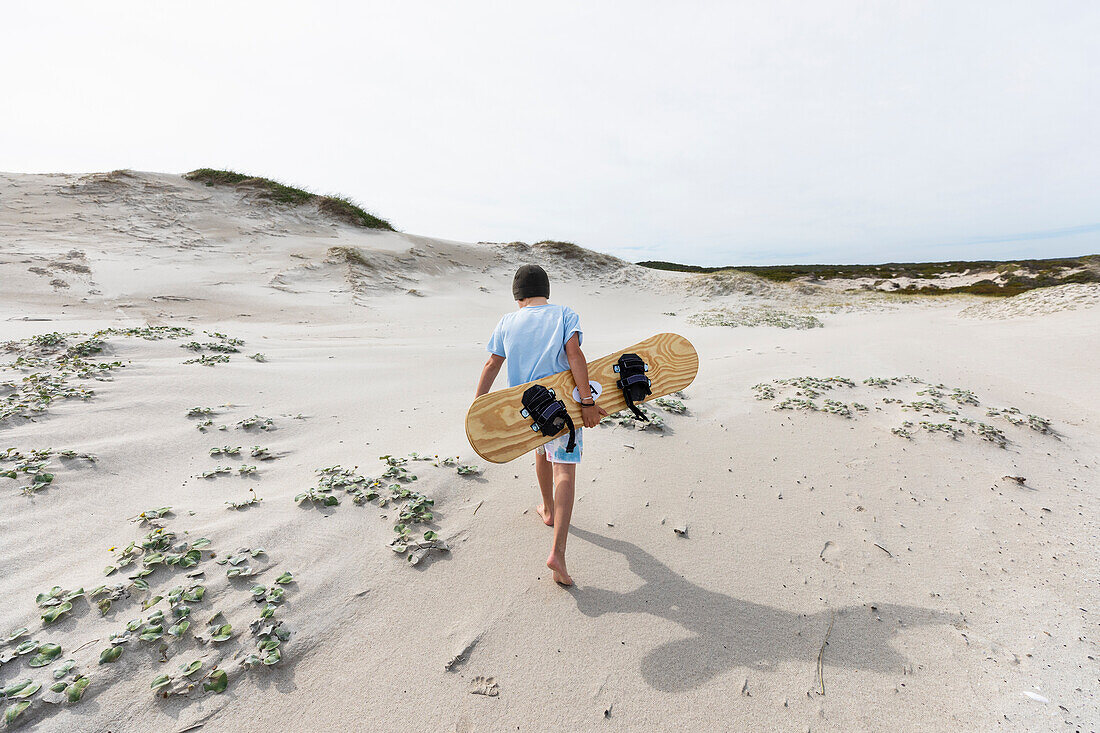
[[544, 471], [565, 478]]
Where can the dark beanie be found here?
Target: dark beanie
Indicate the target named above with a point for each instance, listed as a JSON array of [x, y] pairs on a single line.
[[530, 281]]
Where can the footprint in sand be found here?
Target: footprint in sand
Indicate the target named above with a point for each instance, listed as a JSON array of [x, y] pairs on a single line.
[[484, 686], [830, 554]]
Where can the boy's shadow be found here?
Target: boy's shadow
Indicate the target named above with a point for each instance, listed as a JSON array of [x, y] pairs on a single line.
[[727, 632]]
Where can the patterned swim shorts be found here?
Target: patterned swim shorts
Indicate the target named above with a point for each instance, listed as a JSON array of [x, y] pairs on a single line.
[[555, 449]]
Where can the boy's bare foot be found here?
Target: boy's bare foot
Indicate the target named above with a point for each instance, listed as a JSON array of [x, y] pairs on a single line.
[[547, 516], [556, 563]]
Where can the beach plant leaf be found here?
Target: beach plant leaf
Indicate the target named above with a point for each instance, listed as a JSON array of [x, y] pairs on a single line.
[[15, 687], [284, 579], [162, 681], [46, 654], [151, 602], [50, 598], [110, 654], [217, 681], [152, 632], [76, 689], [221, 633], [179, 629], [64, 669], [16, 634], [14, 711], [26, 690], [26, 647], [55, 613], [58, 686], [194, 594], [190, 669]]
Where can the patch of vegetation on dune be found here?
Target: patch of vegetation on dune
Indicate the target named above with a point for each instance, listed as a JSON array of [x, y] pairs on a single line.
[[338, 207], [751, 316], [1013, 277], [937, 402], [59, 366], [566, 251], [349, 256], [571, 251]]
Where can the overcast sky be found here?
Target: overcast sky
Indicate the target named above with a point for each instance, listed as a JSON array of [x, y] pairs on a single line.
[[704, 132]]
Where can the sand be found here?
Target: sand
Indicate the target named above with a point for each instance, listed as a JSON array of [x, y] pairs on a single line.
[[745, 568]]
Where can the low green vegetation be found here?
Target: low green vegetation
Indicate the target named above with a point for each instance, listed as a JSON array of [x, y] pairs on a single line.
[[58, 366], [34, 466], [673, 403], [221, 344], [337, 207], [949, 418], [390, 491], [251, 501], [753, 316], [163, 595], [1014, 277], [256, 422], [627, 419]]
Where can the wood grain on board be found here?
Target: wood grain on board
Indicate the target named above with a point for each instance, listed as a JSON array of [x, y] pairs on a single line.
[[498, 432]]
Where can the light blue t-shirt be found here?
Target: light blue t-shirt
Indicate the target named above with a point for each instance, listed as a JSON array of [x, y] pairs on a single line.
[[532, 340]]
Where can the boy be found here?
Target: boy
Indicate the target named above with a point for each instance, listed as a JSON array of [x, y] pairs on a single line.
[[538, 340]]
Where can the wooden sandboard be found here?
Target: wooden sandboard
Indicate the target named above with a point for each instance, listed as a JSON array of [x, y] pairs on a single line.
[[498, 432]]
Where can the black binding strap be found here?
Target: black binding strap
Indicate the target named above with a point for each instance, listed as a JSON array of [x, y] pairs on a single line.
[[633, 382], [548, 413]]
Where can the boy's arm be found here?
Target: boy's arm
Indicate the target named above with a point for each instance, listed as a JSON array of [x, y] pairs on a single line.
[[489, 374], [593, 412]]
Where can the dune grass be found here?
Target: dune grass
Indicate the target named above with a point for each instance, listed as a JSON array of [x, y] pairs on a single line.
[[337, 207]]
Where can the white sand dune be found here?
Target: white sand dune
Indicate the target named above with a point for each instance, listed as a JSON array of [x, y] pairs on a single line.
[[1038, 302], [833, 574]]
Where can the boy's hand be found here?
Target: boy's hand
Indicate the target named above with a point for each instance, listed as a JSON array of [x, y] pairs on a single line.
[[592, 414]]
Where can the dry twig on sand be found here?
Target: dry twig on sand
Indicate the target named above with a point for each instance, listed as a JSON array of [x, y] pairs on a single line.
[[821, 655]]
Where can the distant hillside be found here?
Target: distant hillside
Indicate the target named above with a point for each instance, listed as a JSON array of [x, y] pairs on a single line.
[[979, 277]]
